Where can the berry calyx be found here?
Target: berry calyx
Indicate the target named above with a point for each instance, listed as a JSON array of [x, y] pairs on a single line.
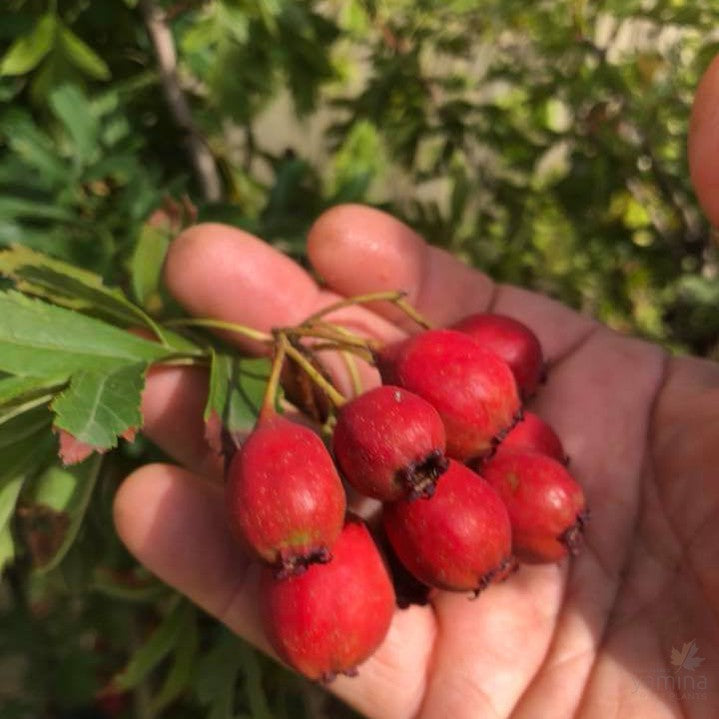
[[513, 341], [471, 387], [389, 443], [332, 617], [546, 504], [460, 539], [284, 496]]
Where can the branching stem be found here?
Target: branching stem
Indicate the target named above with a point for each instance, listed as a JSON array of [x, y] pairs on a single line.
[[243, 330]]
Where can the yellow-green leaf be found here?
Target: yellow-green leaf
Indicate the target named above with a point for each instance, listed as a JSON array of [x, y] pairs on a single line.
[[27, 52]]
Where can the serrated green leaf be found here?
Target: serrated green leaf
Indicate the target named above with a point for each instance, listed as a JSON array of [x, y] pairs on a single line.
[[79, 289], [80, 54], [66, 492], [72, 108], [98, 407], [157, 647], [42, 340], [27, 51]]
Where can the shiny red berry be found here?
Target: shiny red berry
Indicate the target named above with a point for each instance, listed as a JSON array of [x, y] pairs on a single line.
[[284, 496], [471, 387], [546, 504], [460, 539], [533, 434], [332, 617], [389, 443], [513, 341]]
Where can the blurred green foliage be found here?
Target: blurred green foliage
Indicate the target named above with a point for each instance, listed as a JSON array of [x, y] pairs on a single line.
[[542, 141]]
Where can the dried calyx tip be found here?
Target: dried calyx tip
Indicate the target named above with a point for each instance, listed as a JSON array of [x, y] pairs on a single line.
[[329, 677], [499, 437], [292, 565], [572, 536], [421, 476], [508, 566]]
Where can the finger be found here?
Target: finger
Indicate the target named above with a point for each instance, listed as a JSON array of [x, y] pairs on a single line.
[[504, 635], [357, 249], [217, 271], [173, 405], [704, 142], [174, 523], [224, 273]]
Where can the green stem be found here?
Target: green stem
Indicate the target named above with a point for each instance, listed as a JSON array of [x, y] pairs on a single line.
[[334, 395], [364, 354], [412, 313], [243, 330], [268, 400], [334, 333], [353, 372], [396, 297]]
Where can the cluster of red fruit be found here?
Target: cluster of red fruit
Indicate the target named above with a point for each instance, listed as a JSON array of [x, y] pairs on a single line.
[[469, 483]]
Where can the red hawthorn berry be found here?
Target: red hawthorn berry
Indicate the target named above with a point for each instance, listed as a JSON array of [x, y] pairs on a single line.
[[471, 387], [389, 443], [284, 496], [460, 539], [333, 616], [513, 341], [546, 504]]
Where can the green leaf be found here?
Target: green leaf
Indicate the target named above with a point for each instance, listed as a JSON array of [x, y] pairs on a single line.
[[105, 583], [100, 406], [146, 264], [83, 56], [7, 547], [237, 387], [26, 444], [217, 675], [76, 288], [14, 207], [181, 670], [252, 673], [157, 647], [34, 147], [17, 390], [66, 493], [27, 51], [14, 430], [42, 340], [71, 107]]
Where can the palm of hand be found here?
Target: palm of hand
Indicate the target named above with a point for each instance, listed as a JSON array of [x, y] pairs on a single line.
[[588, 637]]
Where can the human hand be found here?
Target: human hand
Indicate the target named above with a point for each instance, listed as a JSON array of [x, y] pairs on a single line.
[[592, 636]]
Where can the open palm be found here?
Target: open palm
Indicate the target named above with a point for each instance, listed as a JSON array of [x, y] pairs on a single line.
[[590, 637]]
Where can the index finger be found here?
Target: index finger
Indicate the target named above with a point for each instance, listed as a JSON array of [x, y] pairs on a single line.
[[358, 249]]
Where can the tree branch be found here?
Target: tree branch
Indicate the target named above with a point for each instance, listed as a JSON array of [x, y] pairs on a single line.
[[200, 156]]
